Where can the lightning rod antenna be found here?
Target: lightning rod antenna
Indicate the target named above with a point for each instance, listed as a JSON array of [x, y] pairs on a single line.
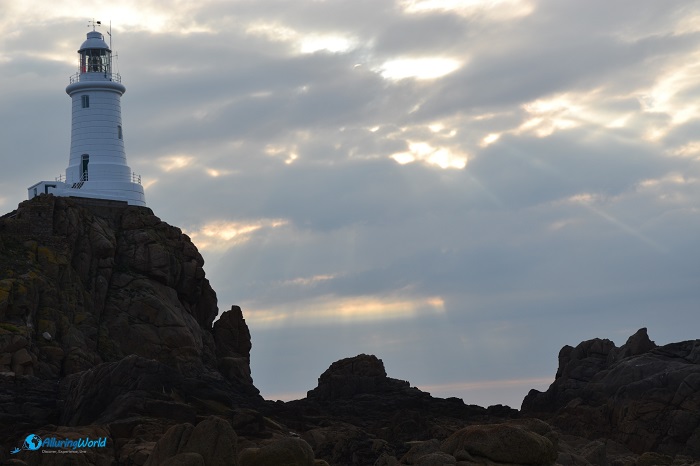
[[110, 35]]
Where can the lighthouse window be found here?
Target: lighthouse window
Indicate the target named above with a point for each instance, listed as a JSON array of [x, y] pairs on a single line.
[[86, 101], [119, 131], [84, 167]]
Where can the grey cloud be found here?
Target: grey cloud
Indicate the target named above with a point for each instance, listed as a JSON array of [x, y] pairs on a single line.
[[424, 34], [522, 171]]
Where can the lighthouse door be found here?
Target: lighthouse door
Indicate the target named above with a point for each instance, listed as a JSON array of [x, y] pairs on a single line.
[[84, 171]]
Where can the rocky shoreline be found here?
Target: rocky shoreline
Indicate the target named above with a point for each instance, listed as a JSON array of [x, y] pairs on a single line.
[[107, 331]]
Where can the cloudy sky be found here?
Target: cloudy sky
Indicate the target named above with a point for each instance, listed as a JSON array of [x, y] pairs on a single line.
[[460, 187]]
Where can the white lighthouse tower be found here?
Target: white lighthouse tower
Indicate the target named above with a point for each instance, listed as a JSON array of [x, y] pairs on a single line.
[[97, 166]]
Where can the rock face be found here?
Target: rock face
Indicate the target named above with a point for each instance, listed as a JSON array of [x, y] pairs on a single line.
[[641, 395], [113, 303], [232, 339], [104, 281], [211, 442]]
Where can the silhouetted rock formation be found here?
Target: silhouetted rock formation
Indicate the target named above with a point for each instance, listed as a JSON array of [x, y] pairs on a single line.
[[363, 374], [643, 396], [357, 414], [232, 340], [106, 330]]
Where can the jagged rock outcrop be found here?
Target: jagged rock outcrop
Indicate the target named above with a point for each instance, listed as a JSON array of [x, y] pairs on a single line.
[[85, 282], [641, 395], [232, 340], [359, 386], [357, 414], [362, 374], [106, 314]]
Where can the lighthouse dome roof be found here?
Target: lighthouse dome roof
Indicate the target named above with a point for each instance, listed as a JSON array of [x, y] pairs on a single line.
[[95, 40]]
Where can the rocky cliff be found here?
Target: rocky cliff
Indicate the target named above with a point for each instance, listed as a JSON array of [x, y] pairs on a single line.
[[85, 282], [107, 331], [105, 311]]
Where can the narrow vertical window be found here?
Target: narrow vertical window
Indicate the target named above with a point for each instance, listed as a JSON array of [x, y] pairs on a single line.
[[119, 131], [86, 101], [84, 167]]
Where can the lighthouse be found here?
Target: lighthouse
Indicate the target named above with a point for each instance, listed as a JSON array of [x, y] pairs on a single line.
[[97, 165]]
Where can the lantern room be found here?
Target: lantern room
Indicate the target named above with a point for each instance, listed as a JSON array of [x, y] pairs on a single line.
[[95, 55]]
